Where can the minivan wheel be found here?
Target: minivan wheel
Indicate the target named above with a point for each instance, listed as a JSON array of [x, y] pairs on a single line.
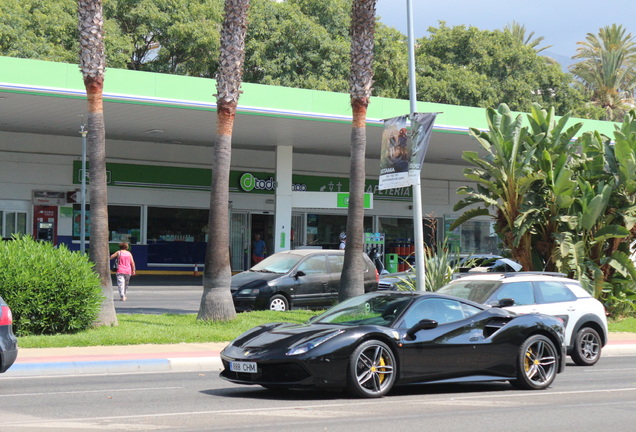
[[278, 302]]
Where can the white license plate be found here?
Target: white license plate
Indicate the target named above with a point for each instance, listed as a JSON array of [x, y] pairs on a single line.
[[245, 367]]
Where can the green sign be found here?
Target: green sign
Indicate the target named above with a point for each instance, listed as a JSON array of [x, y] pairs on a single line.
[[343, 200], [199, 179]]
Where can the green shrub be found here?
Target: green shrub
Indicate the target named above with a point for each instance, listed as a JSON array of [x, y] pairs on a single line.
[[50, 289]]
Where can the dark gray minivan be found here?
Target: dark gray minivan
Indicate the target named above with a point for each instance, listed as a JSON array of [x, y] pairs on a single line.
[[300, 278]]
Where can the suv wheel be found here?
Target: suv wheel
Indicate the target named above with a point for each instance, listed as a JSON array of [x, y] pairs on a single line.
[[587, 347]]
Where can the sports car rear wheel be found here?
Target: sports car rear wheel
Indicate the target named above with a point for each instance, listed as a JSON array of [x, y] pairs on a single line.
[[587, 347], [371, 369], [278, 303], [537, 364]]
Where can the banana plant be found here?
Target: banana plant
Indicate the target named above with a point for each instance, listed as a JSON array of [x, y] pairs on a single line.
[[503, 178]]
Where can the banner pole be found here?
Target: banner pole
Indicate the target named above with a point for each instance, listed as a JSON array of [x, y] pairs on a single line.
[[417, 187]]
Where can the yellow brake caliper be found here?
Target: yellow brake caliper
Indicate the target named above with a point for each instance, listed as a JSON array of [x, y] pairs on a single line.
[[381, 368], [527, 361]]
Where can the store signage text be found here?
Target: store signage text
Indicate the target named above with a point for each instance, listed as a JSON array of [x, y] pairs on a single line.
[[249, 183], [401, 192]]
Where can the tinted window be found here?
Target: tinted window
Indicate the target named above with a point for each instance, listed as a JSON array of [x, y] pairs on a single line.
[[441, 310], [521, 292], [477, 291], [554, 292], [313, 265]]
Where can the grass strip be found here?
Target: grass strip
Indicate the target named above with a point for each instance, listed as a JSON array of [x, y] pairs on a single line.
[[135, 329]]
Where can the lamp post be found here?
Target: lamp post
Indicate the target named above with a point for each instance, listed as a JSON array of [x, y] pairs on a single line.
[[417, 187], [83, 132]]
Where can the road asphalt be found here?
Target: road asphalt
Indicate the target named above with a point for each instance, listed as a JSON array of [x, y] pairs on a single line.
[[34, 362]]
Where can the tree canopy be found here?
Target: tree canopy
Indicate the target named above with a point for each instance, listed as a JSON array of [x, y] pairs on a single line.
[[467, 66], [305, 44], [607, 69]]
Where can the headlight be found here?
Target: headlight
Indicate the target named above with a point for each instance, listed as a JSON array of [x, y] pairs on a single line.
[[248, 292], [307, 346]]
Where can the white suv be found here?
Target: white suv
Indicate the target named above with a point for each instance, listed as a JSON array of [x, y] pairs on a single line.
[[535, 292]]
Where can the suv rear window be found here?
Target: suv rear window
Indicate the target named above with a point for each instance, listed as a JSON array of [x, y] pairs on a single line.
[[554, 292], [477, 291]]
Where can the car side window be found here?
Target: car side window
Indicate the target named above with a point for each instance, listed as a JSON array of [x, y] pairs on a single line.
[[335, 263], [521, 292], [441, 310], [313, 265], [554, 292]]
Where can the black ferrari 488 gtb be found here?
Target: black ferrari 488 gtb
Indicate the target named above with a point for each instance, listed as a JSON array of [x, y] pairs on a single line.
[[370, 343]]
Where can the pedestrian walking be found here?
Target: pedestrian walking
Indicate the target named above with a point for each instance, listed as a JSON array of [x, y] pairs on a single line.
[[125, 268]]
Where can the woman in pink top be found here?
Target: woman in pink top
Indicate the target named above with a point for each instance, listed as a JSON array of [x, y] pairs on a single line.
[[125, 268]]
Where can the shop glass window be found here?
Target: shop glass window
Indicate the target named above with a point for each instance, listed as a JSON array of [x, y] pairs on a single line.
[[324, 230], [168, 224], [12, 223], [398, 234], [124, 223], [478, 237]]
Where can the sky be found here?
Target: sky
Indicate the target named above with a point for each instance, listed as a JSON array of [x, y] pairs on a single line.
[[562, 23]]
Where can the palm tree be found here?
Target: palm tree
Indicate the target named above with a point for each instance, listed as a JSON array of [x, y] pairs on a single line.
[[607, 69], [216, 302], [518, 31], [92, 65], [360, 82]]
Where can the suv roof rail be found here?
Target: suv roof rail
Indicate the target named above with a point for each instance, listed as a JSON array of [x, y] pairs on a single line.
[[544, 273], [509, 274]]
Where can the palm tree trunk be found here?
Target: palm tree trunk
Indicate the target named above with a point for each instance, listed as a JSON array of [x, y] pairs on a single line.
[[92, 65], [216, 301], [360, 82], [352, 279]]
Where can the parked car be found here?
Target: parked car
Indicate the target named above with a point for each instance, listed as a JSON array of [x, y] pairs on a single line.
[[298, 278], [478, 263], [400, 281], [528, 292], [8, 341], [369, 343]]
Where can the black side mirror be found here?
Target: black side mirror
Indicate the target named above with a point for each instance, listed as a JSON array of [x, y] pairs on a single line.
[[425, 324], [506, 302], [299, 273]]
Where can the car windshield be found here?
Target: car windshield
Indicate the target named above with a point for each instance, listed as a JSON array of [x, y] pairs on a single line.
[[477, 291], [277, 263], [369, 309]]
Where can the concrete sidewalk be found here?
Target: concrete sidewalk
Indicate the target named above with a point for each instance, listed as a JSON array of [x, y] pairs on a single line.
[[117, 359], [176, 357]]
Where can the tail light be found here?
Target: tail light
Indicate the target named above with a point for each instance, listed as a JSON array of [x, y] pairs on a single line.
[[377, 276], [6, 318]]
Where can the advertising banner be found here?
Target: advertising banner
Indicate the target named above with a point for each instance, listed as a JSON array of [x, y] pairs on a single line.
[[402, 154], [394, 159], [421, 129]]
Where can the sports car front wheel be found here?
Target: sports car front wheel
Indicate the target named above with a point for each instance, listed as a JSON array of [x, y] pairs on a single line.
[[537, 364], [371, 369]]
